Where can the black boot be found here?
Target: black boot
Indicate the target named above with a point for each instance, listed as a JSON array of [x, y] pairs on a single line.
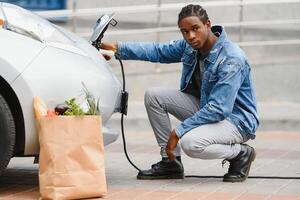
[[240, 165], [165, 169]]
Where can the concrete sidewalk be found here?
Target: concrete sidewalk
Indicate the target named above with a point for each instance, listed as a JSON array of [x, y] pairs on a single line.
[[278, 154]]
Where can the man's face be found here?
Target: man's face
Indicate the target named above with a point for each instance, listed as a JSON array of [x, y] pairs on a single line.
[[194, 31]]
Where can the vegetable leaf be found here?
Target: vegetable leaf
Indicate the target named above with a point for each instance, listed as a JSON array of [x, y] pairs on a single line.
[[74, 108], [93, 106]]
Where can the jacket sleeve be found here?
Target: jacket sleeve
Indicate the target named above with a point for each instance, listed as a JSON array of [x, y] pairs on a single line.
[[154, 52], [220, 101]]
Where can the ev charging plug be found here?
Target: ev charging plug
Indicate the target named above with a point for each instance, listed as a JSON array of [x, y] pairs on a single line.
[[107, 52]]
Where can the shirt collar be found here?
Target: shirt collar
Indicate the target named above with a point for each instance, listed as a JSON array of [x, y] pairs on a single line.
[[216, 48]]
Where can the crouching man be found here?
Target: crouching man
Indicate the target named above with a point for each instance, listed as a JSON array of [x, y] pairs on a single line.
[[216, 103]]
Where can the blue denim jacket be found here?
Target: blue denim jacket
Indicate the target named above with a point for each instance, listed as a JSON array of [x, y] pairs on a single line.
[[226, 92]]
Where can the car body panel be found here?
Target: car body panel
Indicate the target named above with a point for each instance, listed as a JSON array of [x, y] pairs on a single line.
[[16, 53]]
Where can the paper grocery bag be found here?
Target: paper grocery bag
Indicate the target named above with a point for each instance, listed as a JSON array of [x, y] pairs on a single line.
[[71, 163]]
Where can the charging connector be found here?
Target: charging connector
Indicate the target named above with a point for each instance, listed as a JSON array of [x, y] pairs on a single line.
[[107, 52]]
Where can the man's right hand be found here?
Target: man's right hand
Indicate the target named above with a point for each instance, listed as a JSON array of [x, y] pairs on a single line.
[[109, 46]]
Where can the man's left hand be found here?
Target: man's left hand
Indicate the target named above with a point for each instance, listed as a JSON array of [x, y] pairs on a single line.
[[172, 143]]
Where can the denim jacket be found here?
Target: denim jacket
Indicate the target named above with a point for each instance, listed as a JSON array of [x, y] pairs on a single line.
[[227, 90]]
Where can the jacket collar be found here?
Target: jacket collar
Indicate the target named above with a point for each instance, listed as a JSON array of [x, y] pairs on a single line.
[[218, 45]]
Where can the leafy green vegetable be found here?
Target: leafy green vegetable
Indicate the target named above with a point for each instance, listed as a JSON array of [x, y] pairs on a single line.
[[73, 109]]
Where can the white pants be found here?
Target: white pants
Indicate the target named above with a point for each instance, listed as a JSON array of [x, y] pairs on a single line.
[[219, 140]]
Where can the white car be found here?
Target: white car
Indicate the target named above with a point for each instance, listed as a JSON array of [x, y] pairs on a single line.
[[38, 58]]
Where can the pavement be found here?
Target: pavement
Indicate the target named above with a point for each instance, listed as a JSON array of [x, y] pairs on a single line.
[[278, 154]]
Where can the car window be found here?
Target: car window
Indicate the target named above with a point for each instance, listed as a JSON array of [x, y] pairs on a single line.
[[31, 25]]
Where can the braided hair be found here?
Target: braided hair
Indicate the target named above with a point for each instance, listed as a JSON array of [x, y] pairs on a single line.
[[193, 10]]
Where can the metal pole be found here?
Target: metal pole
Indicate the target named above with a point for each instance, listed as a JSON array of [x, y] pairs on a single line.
[[74, 19], [241, 19], [157, 68], [158, 20]]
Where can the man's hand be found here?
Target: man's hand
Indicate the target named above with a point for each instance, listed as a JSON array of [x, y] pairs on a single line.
[[109, 46], [172, 143]]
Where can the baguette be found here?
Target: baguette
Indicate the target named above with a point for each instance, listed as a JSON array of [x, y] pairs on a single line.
[[39, 107]]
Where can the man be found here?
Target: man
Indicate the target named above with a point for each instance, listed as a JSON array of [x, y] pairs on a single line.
[[216, 102]]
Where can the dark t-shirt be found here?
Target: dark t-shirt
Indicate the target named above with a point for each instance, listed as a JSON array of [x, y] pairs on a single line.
[[194, 86]]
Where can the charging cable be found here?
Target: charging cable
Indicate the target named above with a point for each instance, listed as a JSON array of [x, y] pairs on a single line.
[[124, 106]]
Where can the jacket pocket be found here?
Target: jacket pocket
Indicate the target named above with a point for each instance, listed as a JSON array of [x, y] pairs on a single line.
[[188, 60]]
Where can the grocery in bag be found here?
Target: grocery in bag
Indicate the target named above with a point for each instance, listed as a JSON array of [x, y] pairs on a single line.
[[71, 161]]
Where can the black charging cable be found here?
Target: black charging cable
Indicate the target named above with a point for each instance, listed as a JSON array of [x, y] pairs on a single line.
[[251, 177], [124, 106], [124, 100]]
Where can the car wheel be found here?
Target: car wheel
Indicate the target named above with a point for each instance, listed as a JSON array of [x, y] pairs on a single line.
[[7, 134]]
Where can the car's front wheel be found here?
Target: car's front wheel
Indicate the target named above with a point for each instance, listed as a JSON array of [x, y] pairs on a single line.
[[7, 134]]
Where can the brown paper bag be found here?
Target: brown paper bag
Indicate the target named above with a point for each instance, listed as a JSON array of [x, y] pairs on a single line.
[[71, 163]]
